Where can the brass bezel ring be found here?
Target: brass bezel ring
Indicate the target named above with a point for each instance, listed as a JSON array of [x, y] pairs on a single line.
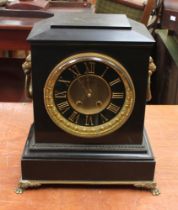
[[93, 131]]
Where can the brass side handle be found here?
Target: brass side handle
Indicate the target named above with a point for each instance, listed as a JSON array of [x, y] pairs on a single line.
[[151, 70], [26, 66]]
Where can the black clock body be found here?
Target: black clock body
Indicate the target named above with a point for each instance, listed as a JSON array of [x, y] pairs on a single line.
[[53, 154]]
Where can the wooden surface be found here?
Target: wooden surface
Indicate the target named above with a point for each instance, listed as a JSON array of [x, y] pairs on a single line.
[[14, 30], [162, 126]]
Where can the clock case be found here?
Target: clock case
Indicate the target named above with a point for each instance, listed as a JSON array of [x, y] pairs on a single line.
[[53, 156]]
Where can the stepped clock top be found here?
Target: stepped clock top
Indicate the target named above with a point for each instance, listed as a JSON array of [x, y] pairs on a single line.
[[90, 27]]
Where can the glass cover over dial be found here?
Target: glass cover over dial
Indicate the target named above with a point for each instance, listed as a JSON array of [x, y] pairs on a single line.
[[89, 95]]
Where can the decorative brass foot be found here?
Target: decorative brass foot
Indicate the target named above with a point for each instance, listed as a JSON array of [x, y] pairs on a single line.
[[149, 186], [24, 184]]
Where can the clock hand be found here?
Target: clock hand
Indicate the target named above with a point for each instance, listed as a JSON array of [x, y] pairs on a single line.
[[86, 88]]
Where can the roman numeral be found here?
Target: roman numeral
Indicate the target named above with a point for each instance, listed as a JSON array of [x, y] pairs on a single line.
[[74, 117], [74, 70], [88, 120], [117, 95], [63, 107], [115, 81], [103, 118], [66, 82], [113, 108], [90, 67], [62, 94]]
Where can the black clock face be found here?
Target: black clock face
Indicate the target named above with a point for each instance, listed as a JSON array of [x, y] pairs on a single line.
[[89, 95]]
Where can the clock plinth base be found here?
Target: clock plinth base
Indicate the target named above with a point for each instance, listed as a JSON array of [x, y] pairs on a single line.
[[47, 165]]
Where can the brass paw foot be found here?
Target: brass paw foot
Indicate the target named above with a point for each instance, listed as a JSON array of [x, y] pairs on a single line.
[[155, 191], [149, 186], [19, 190], [24, 184]]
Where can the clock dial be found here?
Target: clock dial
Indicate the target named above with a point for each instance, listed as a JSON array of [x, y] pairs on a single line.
[[89, 95]]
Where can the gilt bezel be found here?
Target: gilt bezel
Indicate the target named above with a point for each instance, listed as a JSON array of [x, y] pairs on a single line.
[[89, 131]]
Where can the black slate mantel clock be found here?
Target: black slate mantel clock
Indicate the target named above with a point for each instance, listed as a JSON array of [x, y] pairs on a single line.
[[89, 82]]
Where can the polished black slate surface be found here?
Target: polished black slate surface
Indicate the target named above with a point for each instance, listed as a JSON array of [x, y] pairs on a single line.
[[86, 20], [125, 30], [87, 166], [45, 56]]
